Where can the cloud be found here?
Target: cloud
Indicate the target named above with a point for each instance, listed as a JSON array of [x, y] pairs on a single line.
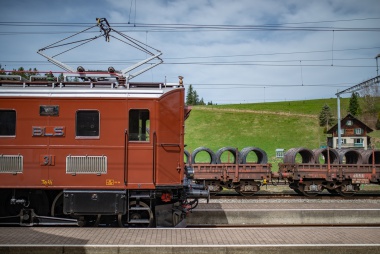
[[213, 43]]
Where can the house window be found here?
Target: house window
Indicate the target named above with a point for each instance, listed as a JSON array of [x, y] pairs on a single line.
[[349, 122], [358, 131], [341, 131], [342, 141], [139, 124], [358, 142], [7, 123], [87, 123]]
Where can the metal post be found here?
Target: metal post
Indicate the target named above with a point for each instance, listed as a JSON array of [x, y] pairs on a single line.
[[377, 66], [339, 127]]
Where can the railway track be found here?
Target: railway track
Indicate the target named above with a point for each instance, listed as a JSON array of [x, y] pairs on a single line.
[[290, 195]]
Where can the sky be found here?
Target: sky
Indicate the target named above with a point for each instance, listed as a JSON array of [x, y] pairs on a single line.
[[241, 51]]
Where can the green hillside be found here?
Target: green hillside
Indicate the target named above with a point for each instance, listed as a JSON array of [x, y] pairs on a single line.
[[265, 125]]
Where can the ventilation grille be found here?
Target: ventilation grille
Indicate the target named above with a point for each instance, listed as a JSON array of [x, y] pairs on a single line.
[[86, 165], [11, 164]]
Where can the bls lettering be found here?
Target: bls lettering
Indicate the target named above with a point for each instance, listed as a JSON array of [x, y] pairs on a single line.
[[48, 131]]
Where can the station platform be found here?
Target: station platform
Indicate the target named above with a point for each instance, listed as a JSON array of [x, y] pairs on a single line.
[[60, 240], [293, 212]]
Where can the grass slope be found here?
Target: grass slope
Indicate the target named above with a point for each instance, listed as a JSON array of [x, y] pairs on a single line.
[[265, 125]]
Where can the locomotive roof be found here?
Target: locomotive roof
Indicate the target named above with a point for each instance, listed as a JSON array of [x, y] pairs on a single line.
[[85, 89]]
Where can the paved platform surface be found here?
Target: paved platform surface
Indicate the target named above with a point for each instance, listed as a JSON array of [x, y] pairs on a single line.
[[58, 240], [312, 212]]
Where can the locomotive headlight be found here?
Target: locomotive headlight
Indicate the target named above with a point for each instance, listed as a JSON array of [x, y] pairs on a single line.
[[189, 171]]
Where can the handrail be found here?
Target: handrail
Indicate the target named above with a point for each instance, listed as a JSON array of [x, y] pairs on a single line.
[[170, 145], [126, 139], [154, 157]]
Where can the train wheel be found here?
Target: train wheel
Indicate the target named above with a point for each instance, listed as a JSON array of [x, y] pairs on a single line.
[[57, 205], [140, 215], [244, 193], [298, 191], [347, 190], [307, 193]]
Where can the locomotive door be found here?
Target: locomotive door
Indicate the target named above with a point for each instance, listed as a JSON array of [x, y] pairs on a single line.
[[139, 170]]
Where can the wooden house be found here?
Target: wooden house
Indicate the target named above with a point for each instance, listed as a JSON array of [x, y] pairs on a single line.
[[353, 134]]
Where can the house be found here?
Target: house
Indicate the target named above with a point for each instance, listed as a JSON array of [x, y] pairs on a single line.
[[353, 134]]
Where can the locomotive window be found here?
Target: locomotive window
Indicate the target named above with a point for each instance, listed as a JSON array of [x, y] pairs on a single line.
[[139, 125], [7, 123], [87, 123]]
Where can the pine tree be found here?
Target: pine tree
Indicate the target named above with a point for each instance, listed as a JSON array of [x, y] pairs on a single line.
[[195, 97], [326, 117], [189, 96], [354, 107], [2, 72]]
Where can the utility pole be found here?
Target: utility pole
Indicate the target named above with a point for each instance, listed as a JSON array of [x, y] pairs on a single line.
[[377, 65]]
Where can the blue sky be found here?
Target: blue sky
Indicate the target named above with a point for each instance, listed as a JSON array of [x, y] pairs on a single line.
[[243, 51]]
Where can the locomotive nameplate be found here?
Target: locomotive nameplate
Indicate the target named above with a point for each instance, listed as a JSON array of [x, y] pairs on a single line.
[[49, 110], [48, 131]]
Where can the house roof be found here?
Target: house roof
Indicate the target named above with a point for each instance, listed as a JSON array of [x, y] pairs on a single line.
[[349, 116]]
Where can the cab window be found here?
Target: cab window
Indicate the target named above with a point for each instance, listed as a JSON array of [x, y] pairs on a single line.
[[87, 123], [7, 123], [139, 124]]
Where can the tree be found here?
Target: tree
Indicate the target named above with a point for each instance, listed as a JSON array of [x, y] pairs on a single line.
[[326, 117], [354, 107], [189, 96], [192, 97], [378, 122], [195, 98], [61, 78], [2, 72]]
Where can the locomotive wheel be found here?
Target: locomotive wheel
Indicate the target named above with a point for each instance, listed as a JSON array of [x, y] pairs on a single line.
[[57, 206], [57, 211]]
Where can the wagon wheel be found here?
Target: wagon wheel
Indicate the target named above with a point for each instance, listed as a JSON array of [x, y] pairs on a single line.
[[244, 193], [214, 189], [298, 191], [344, 193], [301, 189], [140, 215]]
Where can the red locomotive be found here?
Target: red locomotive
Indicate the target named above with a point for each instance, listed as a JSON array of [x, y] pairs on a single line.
[[93, 149]]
